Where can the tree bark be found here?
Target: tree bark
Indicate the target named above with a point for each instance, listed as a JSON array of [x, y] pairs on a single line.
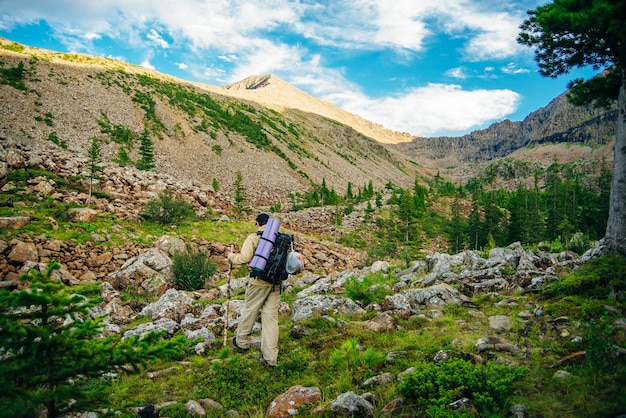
[[615, 237]]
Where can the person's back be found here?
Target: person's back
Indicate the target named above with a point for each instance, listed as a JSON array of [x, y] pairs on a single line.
[[261, 296]]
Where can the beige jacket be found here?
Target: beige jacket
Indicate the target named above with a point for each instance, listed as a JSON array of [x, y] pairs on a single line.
[[247, 249]]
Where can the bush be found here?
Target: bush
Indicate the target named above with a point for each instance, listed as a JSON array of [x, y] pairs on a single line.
[[600, 278], [381, 251], [353, 240], [191, 269], [579, 243], [600, 343], [352, 357], [437, 385], [369, 289], [168, 210]]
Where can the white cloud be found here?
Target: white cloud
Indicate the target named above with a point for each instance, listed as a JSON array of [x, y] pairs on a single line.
[[437, 109], [212, 72], [146, 64], [266, 58], [512, 68], [459, 72], [182, 66], [228, 58], [90, 36], [156, 37], [233, 26]]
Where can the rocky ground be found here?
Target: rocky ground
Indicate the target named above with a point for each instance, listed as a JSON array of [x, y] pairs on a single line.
[[423, 290], [130, 189]]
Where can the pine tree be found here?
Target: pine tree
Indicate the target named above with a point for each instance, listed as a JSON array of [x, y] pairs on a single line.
[[406, 213], [93, 160], [494, 218], [568, 34], [122, 156], [368, 192], [457, 238], [475, 226], [420, 195], [51, 344], [323, 192], [536, 225], [240, 192], [554, 200], [349, 192], [146, 150], [517, 208]]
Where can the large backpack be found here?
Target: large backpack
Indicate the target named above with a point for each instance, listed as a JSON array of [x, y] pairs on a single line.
[[275, 271]]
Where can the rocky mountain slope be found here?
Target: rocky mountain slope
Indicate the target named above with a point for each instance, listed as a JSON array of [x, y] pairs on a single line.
[[128, 190], [558, 123], [198, 134]]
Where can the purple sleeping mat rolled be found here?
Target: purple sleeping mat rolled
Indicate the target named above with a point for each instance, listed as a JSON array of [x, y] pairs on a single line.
[[266, 244]]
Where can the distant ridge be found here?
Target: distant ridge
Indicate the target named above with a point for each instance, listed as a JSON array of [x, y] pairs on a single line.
[[281, 96]]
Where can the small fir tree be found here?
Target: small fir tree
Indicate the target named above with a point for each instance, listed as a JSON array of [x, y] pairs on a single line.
[[146, 150], [240, 193], [93, 161], [122, 156], [349, 192], [51, 345]]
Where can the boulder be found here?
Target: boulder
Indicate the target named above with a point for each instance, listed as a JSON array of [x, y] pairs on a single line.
[[287, 404]]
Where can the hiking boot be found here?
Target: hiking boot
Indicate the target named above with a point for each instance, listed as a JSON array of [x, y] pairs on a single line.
[[235, 344]]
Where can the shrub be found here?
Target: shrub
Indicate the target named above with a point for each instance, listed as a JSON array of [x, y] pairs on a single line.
[[276, 207], [600, 278], [351, 356], [369, 289], [381, 251], [353, 240], [600, 343], [579, 243], [54, 138], [191, 269], [556, 246], [168, 210], [438, 385], [23, 175], [14, 76]]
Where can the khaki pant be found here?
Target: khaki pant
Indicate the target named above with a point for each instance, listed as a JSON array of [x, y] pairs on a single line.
[[261, 296]]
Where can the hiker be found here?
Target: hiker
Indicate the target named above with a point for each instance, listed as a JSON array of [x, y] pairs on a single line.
[[261, 296]]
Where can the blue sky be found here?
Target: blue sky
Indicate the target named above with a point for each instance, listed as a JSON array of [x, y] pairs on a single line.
[[427, 67]]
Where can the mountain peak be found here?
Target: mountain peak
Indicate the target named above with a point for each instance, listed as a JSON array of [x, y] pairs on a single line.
[[256, 82], [275, 93]]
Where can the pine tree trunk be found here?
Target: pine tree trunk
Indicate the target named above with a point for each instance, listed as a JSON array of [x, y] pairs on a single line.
[[615, 238]]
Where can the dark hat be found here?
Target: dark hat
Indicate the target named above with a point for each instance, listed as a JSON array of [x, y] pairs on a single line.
[[262, 219]]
